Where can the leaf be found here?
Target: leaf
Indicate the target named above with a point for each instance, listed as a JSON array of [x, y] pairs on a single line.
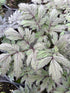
[[43, 20], [62, 60], [44, 84], [43, 62], [41, 11], [23, 45], [28, 9], [2, 2], [68, 24], [29, 13], [51, 85], [68, 17], [21, 90], [18, 63], [6, 65], [5, 60], [14, 18], [3, 25], [31, 23], [53, 14], [29, 36], [54, 19], [29, 58], [39, 46], [54, 36], [28, 89], [43, 53], [3, 57], [38, 14], [61, 4], [21, 31], [55, 70], [39, 1], [33, 78], [34, 60], [59, 28], [68, 91], [10, 48], [13, 34], [38, 59]]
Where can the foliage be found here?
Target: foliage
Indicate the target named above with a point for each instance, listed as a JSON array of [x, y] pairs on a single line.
[[27, 89], [35, 45], [2, 2]]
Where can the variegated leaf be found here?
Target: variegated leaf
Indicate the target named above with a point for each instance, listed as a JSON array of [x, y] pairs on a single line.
[[62, 60], [29, 36], [6, 65], [55, 70], [10, 48], [43, 62], [18, 63], [39, 46], [13, 34], [3, 57]]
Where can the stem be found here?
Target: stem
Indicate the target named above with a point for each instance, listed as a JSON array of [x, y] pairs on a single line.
[[10, 8]]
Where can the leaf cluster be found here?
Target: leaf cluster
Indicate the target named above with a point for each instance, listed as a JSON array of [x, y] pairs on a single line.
[[35, 45]]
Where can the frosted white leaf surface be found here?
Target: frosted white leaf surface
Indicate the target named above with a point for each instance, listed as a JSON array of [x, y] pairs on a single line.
[[18, 63], [62, 60], [3, 57], [55, 70], [12, 34], [5, 65], [11, 48], [29, 36], [43, 62], [28, 9], [39, 46], [40, 1], [41, 11]]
